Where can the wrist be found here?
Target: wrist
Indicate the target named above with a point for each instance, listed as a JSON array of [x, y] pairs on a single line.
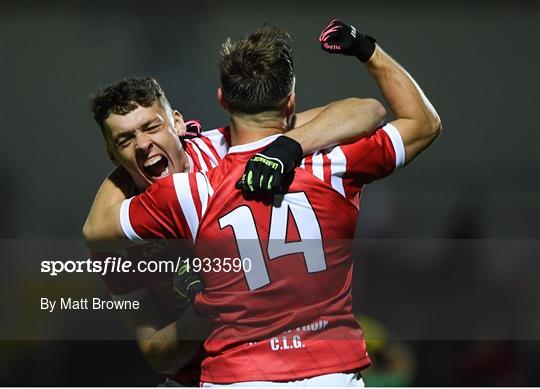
[[366, 47], [292, 147], [376, 62], [298, 137]]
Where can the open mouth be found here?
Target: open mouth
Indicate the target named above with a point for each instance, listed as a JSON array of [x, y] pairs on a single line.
[[156, 167]]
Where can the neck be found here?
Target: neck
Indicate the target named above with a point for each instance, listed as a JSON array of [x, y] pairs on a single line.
[[251, 128]]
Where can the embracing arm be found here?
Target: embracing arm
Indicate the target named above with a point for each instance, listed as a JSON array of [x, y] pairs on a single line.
[[166, 346], [339, 122], [102, 228], [342, 121]]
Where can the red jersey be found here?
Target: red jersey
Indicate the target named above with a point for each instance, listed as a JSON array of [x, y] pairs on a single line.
[[206, 151], [289, 316], [203, 153]]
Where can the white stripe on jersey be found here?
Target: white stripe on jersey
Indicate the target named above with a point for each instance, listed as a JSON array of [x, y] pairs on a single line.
[[397, 142], [185, 200], [338, 165], [191, 163], [218, 141], [317, 165], [209, 187], [125, 223], [205, 149], [204, 167], [202, 187]]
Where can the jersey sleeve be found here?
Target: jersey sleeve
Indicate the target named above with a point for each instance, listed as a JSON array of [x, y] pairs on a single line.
[[374, 157], [171, 208]]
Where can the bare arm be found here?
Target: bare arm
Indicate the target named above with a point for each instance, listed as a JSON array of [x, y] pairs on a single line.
[[415, 118], [166, 345], [102, 230], [342, 121]]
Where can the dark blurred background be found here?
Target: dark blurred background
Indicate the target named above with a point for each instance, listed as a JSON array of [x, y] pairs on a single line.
[[448, 272]]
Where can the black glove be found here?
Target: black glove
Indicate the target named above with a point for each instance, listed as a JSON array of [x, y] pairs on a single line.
[[265, 170], [340, 38], [186, 282], [193, 129]]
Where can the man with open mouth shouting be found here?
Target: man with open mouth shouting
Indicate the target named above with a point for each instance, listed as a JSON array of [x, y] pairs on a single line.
[[146, 137]]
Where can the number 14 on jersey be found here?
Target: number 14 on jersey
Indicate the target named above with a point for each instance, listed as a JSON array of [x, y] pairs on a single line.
[[247, 238]]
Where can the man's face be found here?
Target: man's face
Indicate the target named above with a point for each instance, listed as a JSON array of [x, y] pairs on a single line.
[[145, 142]]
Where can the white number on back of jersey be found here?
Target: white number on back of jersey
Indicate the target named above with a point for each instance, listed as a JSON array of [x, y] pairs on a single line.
[[245, 231], [308, 228]]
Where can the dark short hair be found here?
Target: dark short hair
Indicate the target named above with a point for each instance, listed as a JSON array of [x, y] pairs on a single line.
[[257, 72], [124, 96]]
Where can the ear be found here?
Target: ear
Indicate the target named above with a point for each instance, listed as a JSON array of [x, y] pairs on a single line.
[[289, 107], [179, 124], [221, 99], [111, 157]]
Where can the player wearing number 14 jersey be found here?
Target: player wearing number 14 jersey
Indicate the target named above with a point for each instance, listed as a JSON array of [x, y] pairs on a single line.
[[287, 314]]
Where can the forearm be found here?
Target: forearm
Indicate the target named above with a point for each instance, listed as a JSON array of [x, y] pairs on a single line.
[[301, 118], [100, 221], [174, 345], [342, 121], [416, 121], [164, 352], [159, 347], [407, 101]]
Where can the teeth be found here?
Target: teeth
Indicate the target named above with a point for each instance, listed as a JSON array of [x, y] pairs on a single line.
[[165, 172], [152, 160]]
